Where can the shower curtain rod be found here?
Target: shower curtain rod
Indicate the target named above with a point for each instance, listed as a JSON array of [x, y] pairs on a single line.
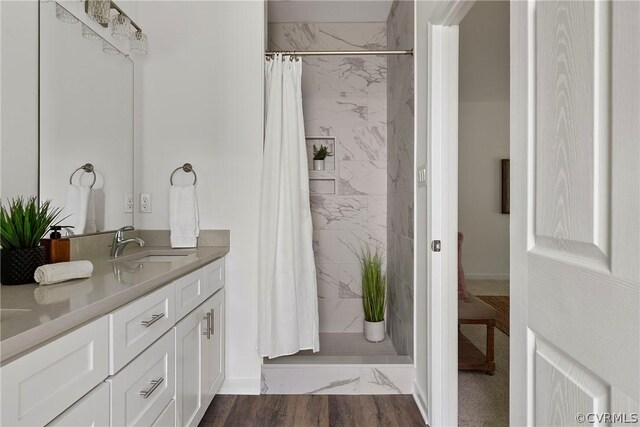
[[339, 52]]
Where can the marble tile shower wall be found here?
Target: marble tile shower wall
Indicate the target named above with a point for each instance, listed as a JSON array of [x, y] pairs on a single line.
[[346, 98], [400, 187]]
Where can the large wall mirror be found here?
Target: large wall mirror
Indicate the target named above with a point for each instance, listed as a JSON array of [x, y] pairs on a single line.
[[86, 123]]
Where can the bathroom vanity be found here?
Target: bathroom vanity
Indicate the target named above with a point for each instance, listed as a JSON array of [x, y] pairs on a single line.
[[142, 342]]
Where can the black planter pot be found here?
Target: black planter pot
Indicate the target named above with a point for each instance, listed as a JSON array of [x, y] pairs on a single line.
[[18, 265]]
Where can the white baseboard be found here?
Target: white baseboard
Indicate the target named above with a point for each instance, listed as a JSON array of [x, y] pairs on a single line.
[[486, 276], [240, 386], [420, 397]]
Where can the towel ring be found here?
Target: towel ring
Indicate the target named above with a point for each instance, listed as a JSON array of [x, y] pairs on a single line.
[[185, 168], [88, 168]]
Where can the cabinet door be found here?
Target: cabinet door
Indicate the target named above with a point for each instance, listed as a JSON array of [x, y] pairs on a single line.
[[213, 347], [189, 340], [40, 385], [92, 410]]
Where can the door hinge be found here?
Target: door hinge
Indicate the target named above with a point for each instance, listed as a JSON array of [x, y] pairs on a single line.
[[436, 245]]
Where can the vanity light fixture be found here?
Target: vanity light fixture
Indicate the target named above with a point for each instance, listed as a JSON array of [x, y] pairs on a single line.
[[138, 43], [120, 25], [63, 15], [98, 10]]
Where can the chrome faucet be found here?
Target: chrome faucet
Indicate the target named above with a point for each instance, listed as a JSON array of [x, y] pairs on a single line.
[[119, 242]]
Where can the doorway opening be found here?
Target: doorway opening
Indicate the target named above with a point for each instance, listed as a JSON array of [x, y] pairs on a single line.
[[483, 215]]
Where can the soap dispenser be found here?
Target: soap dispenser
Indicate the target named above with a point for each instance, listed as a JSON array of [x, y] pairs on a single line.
[[58, 248]]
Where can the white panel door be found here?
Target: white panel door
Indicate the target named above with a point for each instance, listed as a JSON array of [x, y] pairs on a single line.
[[575, 255]]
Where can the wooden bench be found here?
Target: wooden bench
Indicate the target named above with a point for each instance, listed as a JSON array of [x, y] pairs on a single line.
[[474, 311]]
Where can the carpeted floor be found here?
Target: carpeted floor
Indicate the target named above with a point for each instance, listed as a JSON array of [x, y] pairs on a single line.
[[483, 400], [501, 304]]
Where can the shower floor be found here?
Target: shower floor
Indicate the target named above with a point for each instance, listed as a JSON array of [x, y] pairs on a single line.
[[346, 348]]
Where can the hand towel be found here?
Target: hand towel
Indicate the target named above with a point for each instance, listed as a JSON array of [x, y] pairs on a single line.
[[90, 225], [183, 216], [80, 208], [63, 271]]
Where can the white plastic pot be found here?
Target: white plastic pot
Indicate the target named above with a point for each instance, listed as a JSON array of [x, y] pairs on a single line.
[[318, 165], [374, 331]]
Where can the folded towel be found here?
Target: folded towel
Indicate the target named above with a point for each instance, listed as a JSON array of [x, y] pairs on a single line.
[[63, 271], [183, 216], [81, 209]]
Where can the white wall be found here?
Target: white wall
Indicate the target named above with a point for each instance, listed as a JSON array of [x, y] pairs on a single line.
[[202, 103], [19, 108], [483, 139]]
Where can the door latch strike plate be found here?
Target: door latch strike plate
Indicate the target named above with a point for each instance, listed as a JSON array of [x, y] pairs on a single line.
[[436, 246]]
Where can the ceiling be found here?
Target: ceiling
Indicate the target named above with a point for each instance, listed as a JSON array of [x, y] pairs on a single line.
[[328, 10]]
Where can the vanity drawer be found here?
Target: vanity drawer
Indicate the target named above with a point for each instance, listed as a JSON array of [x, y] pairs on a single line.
[[143, 389], [137, 325], [214, 277], [168, 416], [92, 410], [42, 384], [189, 293]]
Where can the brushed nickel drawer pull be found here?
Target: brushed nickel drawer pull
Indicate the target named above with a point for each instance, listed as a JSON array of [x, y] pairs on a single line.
[[207, 332], [154, 319], [154, 385]]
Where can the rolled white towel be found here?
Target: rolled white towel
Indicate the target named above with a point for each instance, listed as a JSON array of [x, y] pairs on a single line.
[[63, 271]]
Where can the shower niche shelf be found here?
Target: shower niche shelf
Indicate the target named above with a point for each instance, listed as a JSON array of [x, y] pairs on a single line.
[[329, 141], [322, 186]]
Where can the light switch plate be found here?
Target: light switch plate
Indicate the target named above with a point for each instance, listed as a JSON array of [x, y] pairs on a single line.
[[145, 202]]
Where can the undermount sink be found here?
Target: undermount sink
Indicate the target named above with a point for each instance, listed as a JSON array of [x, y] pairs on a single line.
[[10, 313], [162, 258]]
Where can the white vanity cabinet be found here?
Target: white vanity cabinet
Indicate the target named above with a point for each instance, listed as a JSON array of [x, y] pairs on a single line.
[[156, 361]]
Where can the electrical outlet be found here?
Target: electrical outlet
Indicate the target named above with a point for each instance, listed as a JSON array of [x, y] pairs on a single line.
[[145, 202], [128, 202]]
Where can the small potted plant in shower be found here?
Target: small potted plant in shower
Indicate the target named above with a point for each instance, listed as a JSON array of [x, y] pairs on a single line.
[[22, 225], [319, 155], [374, 293]]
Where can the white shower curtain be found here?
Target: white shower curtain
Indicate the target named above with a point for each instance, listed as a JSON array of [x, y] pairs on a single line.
[[288, 313]]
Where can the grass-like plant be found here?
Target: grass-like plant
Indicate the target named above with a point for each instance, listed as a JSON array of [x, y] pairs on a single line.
[[321, 153], [24, 223], [374, 284]]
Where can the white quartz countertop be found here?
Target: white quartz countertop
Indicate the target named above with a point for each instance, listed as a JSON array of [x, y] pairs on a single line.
[[32, 315]]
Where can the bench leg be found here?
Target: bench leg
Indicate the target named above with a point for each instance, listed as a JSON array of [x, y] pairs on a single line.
[[490, 350]]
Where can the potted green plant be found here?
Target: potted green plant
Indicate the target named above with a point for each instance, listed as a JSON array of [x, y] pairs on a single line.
[[319, 154], [374, 293], [22, 225]]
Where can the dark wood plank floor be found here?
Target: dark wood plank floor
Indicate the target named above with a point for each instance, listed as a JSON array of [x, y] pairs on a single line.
[[312, 410]]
